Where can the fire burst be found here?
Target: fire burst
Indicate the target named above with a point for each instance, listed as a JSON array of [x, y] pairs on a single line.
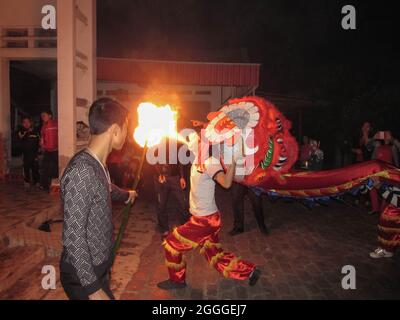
[[155, 123]]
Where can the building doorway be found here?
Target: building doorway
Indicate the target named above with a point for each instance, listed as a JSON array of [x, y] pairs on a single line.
[[33, 89]]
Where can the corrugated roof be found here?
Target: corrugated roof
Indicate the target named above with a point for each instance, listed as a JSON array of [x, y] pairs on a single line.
[[178, 72]]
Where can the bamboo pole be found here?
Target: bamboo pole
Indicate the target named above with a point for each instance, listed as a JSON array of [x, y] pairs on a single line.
[[127, 209]]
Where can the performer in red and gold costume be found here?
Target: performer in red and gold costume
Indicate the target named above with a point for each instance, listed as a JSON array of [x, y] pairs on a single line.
[[202, 230], [385, 152], [389, 221]]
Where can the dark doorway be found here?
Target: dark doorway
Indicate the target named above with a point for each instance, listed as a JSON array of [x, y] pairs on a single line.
[[33, 86]]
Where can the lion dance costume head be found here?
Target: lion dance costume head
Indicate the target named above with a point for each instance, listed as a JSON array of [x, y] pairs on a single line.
[[269, 148]]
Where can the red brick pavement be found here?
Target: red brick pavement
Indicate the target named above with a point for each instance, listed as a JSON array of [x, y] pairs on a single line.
[[302, 258]]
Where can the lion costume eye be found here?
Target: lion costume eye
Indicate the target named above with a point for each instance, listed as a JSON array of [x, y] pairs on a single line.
[[231, 120]]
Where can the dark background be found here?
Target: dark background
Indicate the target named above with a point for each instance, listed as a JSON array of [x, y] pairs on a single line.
[[301, 45]]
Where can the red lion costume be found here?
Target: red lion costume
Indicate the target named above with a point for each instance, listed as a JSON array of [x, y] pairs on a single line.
[[271, 151]]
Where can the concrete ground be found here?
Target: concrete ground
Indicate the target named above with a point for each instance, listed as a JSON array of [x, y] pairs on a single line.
[[302, 258]]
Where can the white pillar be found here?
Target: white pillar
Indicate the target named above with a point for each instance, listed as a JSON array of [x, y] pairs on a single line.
[[66, 77], [86, 86], [86, 44], [5, 124]]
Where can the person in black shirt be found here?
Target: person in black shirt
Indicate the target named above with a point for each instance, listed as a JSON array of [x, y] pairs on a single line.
[[169, 180], [86, 195], [30, 146], [239, 193]]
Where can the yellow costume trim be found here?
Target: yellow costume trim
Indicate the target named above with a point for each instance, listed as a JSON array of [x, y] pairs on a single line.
[[215, 258], [300, 193], [389, 230], [170, 249], [284, 192], [333, 190], [328, 190], [183, 239], [382, 174], [176, 266], [389, 243], [390, 218], [230, 266], [208, 244], [315, 192]]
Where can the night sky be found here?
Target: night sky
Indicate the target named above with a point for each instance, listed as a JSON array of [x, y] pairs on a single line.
[[303, 50], [300, 44]]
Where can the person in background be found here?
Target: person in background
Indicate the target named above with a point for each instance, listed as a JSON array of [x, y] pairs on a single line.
[[30, 147], [115, 164], [239, 193], [170, 181], [49, 146], [389, 221], [305, 150], [343, 150], [396, 143], [317, 156], [365, 149], [384, 151]]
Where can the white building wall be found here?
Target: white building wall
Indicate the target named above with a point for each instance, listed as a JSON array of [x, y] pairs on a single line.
[[23, 12], [131, 92], [76, 53]]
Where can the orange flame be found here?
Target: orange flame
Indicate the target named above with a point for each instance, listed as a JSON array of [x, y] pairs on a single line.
[[155, 123]]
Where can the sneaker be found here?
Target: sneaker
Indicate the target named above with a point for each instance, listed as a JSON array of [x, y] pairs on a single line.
[[255, 275], [171, 285], [381, 253]]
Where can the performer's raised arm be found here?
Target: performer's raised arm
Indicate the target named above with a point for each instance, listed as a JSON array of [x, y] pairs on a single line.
[[226, 179]]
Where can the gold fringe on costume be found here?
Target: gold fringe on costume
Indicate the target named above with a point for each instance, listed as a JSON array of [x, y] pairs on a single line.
[[215, 258], [183, 239], [389, 230], [230, 266], [390, 218], [389, 243], [176, 266], [171, 250], [202, 232], [208, 244]]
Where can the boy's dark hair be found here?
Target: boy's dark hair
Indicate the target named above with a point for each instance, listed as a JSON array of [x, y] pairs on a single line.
[[104, 113], [26, 118]]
